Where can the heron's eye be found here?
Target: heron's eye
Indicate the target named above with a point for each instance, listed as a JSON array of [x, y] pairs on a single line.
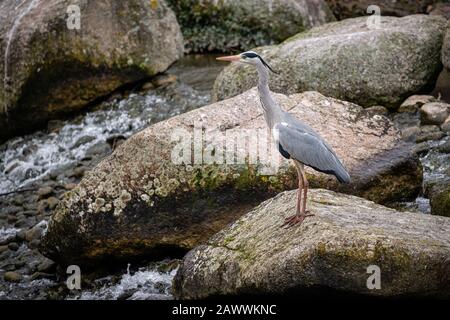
[[244, 57]]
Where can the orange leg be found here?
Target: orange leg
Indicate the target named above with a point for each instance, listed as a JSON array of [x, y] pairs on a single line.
[[301, 212]]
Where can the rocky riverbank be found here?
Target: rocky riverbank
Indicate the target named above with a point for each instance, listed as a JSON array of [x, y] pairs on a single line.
[[101, 181], [49, 163]]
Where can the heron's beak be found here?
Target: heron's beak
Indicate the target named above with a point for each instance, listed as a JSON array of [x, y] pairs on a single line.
[[230, 58]]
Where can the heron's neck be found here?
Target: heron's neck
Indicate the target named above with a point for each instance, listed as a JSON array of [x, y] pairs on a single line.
[[272, 111]]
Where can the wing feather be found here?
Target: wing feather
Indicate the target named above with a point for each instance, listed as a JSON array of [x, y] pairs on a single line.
[[306, 146]]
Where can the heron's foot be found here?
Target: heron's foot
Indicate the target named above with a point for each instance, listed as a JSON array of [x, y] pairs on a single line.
[[296, 219]]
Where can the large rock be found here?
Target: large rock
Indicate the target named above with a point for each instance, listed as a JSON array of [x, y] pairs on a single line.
[[446, 49], [329, 252], [229, 25], [141, 201], [49, 70], [353, 8], [350, 61]]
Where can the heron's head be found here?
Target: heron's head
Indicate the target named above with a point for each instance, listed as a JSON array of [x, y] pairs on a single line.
[[248, 57]]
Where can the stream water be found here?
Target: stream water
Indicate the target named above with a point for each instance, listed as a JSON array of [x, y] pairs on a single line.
[[48, 154]]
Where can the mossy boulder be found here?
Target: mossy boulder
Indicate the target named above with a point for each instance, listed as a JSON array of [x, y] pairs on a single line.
[[49, 70], [213, 25], [331, 252], [349, 60], [440, 199], [174, 184], [354, 8]]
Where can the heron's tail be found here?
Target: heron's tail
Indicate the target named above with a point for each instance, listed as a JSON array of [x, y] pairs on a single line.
[[342, 175]]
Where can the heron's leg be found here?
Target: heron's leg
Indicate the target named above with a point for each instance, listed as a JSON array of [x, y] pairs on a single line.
[[300, 210], [305, 194], [299, 192]]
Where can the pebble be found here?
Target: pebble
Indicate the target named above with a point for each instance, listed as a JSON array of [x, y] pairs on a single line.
[[70, 186], [44, 192], [52, 202], [13, 246], [12, 276]]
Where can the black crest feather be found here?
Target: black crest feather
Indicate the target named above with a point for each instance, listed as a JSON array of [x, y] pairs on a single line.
[[255, 55]]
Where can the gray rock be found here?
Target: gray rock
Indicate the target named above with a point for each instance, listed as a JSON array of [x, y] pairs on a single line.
[[98, 149], [227, 25], [331, 250], [434, 113], [140, 200], [53, 70], [350, 61], [44, 192], [354, 8]]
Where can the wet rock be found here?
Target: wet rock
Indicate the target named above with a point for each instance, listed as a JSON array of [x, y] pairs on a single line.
[[329, 251], [343, 9], [413, 103], [143, 199], [422, 147], [36, 232], [227, 25], [434, 113], [3, 249], [350, 61], [52, 202], [52, 70], [429, 132], [44, 192], [12, 276], [148, 86], [83, 140], [440, 199], [99, 149]]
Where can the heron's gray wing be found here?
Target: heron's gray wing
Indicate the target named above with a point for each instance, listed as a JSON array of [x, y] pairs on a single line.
[[310, 149]]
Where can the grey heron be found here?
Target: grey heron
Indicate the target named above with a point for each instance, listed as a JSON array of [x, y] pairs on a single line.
[[295, 140]]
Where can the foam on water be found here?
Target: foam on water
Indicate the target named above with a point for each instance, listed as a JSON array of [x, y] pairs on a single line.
[[145, 284]]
